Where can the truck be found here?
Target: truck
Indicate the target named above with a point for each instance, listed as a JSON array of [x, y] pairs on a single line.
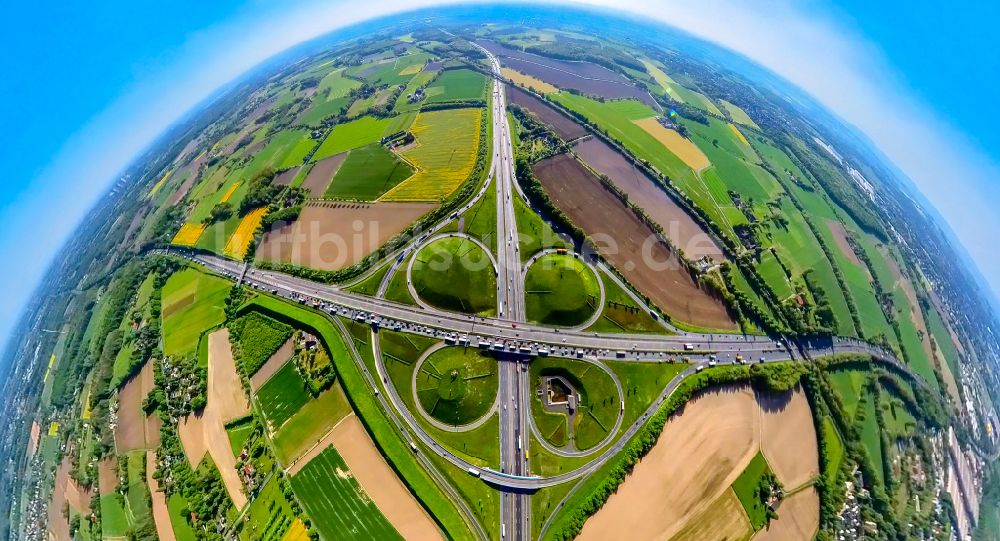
[[474, 472], [689, 347]]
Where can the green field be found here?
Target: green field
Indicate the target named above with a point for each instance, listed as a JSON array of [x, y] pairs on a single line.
[[396, 290], [848, 385], [455, 274], [369, 286], [560, 290], [871, 438], [395, 449], [310, 423], [745, 486], [259, 337], [642, 384], [480, 221], [457, 385], [738, 115], [534, 234], [367, 173], [114, 522], [282, 395], [269, 515], [835, 451], [193, 302], [599, 403], [176, 504], [338, 505], [457, 84], [621, 314], [238, 433], [350, 135], [284, 149], [389, 72]]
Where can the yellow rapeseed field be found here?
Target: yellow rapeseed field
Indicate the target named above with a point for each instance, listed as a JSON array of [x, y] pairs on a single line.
[[188, 234], [444, 154], [54, 428], [412, 69], [159, 184], [739, 134], [296, 532], [229, 192], [240, 241], [684, 149], [528, 81]]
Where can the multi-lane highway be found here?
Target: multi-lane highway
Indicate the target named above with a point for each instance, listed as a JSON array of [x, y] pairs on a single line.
[[515, 506], [517, 341]]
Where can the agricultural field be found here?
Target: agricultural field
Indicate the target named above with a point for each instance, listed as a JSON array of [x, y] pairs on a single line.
[[576, 191], [561, 290], [454, 273], [688, 152], [745, 487], [586, 77], [350, 135], [457, 385], [367, 173], [270, 515], [738, 115], [238, 244], [324, 235], [339, 506], [192, 303], [457, 85], [285, 149], [188, 234], [563, 126], [314, 419], [282, 395], [321, 173], [259, 337], [444, 154], [682, 230], [528, 81]]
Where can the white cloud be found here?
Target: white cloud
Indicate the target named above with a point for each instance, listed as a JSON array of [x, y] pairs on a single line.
[[838, 67]]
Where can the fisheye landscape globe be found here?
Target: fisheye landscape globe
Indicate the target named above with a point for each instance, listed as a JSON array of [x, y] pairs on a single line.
[[505, 273]]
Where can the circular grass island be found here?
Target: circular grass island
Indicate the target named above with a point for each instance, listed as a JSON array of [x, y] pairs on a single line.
[[573, 401], [454, 273], [457, 385], [559, 289]]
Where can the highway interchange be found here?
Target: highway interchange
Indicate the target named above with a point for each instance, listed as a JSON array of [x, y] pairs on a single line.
[[515, 342]]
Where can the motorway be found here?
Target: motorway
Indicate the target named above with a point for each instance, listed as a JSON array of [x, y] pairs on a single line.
[[515, 341], [515, 505]]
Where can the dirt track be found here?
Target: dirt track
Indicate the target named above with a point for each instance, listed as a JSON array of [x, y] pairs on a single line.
[[678, 225], [629, 244], [334, 235]]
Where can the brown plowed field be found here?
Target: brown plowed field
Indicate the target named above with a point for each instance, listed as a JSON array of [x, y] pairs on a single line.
[[285, 178], [629, 244], [273, 364], [798, 518], [789, 437], [565, 127], [840, 237], [723, 519], [683, 482], [36, 432], [677, 224], [161, 513], [321, 174], [586, 77], [58, 524], [130, 434], [107, 476], [333, 235]]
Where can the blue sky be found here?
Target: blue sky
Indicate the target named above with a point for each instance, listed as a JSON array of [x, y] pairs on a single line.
[[87, 87]]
